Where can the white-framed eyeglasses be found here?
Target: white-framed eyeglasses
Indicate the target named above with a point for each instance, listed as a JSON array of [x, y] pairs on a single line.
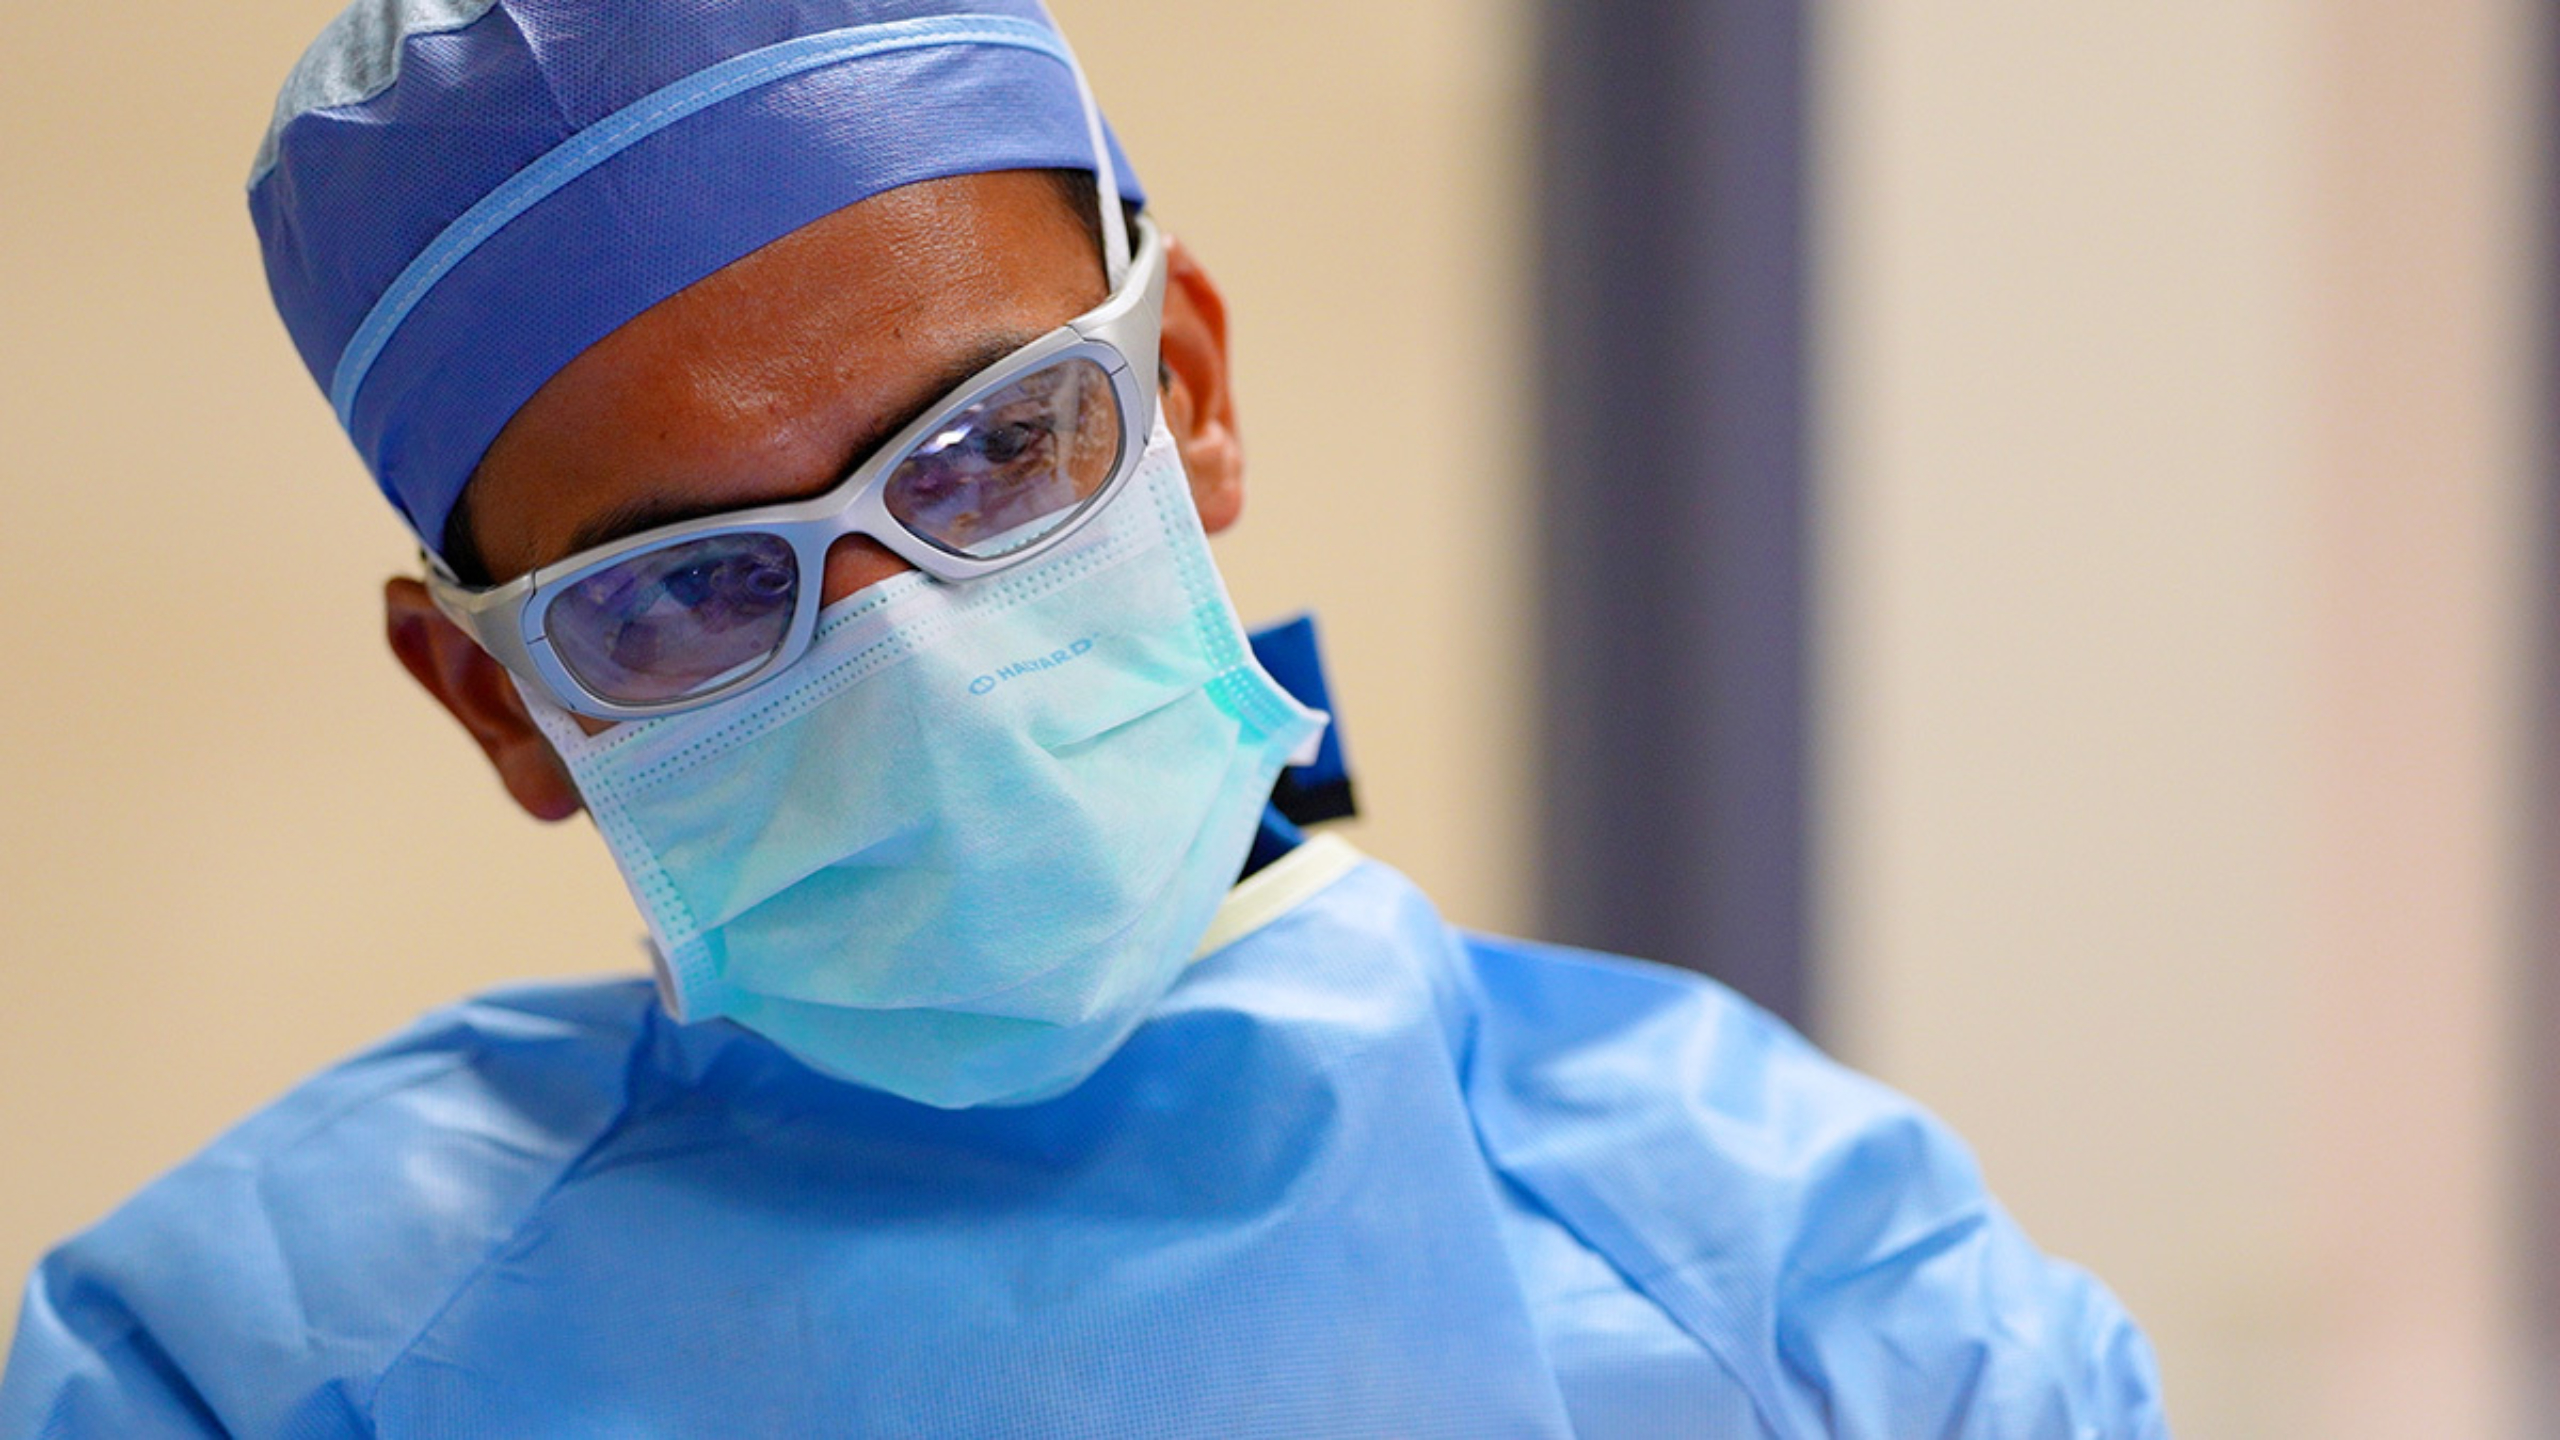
[[1004, 467]]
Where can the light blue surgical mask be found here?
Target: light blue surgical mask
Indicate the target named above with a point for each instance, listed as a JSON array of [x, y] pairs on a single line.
[[963, 847]]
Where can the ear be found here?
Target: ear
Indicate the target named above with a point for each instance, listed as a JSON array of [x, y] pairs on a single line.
[[476, 690], [1199, 406]]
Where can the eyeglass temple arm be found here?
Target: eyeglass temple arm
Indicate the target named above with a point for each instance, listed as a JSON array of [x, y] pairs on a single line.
[[493, 618]]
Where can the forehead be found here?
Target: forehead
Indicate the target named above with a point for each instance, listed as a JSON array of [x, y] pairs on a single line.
[[766, 380]]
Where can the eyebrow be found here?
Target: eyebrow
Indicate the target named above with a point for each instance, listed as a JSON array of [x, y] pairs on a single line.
[[648, 512]]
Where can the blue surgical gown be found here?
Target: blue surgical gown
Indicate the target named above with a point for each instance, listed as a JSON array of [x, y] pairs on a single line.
[[1363, 1175]]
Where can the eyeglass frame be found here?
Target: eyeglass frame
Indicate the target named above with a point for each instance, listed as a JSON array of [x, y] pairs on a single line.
[[1122, 335]]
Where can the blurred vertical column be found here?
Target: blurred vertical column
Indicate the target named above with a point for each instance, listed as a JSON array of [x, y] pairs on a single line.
[[2539, 1018], [1674, 508], [2428, 140]]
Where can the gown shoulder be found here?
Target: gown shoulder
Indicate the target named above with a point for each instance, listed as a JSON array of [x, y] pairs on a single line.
[[255, 1287], [1827, 1237]]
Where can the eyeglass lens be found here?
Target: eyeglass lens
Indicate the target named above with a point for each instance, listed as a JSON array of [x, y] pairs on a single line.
[[677, 622], [1009, 469]]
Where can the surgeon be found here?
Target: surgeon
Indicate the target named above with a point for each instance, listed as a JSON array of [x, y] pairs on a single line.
[[812, 444]]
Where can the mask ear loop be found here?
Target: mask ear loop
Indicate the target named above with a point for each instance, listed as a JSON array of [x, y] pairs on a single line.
[[1106, 175]]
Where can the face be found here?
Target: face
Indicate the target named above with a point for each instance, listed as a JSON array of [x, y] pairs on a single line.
[[768, 381]]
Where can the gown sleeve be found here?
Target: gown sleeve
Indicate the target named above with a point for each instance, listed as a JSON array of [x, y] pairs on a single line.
[[82, 1365], [1827, 1239]]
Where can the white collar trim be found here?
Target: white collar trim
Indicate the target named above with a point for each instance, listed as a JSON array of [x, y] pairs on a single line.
[[1278, 888]]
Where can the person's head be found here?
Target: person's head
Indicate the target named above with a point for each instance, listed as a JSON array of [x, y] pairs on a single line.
[[705, 363], [770, 380]]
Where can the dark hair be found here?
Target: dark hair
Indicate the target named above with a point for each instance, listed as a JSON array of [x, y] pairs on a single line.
[[1083, 197], [1077, 189]]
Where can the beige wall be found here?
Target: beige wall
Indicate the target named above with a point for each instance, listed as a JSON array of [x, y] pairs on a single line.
[[237, 844], [2174, 441], [2176, 419]]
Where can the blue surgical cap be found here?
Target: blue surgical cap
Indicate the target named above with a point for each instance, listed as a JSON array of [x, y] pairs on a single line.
[[458, 197]]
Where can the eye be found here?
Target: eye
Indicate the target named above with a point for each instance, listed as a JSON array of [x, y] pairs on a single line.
[[691, 585], [1004, 444]]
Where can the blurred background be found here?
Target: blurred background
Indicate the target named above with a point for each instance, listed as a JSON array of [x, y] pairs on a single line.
[[2016, 533]]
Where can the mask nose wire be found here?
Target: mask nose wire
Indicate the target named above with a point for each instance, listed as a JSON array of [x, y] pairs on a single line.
[[1106, 175]]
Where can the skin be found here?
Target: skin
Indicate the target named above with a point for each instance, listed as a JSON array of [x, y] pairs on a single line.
[[769, 380]]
